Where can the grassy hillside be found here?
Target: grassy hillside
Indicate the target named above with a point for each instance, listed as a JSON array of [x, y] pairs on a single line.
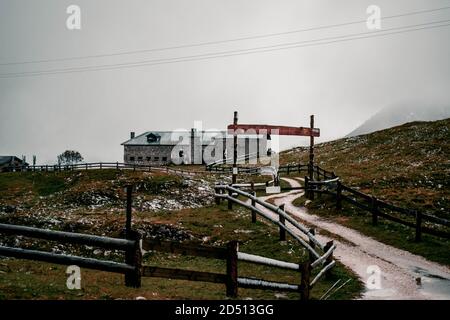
[[408, 165], [165, 207]]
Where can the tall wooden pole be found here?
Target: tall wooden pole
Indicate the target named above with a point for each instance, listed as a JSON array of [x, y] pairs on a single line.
[[311, 156], [311, 150], [129, 190], [235, 151]]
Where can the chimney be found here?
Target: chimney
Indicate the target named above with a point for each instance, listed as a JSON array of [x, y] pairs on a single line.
[[131, 135]]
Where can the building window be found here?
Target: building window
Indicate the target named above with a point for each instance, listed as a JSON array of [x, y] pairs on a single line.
[[181, 153], [164, 159], [139, 158], [149, 158], [156, 159], [131, 158]]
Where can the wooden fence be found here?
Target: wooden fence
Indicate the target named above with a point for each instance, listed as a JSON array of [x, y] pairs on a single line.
[[131, 247], [320, 255], [133, 268], [377, 208], [102, 165]]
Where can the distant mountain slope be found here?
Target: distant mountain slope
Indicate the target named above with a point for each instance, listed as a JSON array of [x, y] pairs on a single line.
[[408, 165], [401, 114]]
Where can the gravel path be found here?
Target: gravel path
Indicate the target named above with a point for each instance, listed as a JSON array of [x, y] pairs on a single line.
[[403, 274]]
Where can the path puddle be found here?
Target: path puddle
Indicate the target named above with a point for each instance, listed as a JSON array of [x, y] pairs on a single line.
[[432, 285]]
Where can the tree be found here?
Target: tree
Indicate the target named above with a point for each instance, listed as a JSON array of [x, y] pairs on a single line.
[[69, 157]]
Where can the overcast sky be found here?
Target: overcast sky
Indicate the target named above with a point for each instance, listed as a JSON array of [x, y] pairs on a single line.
[[342, 83]]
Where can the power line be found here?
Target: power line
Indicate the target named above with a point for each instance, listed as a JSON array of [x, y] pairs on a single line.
[[308, 43], [218, 41]]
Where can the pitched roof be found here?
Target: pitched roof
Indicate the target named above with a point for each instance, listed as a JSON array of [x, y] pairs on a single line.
[[9, 159], [174, 137]]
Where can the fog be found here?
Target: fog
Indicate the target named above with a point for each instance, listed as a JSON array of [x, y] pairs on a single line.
[[342, 83]]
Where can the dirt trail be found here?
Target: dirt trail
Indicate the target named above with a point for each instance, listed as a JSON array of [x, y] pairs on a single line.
[[399, 269]]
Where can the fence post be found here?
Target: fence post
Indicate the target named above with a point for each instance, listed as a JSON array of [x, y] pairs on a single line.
[[306, 187], [216, 192], [288, 169], [305, 273], [133, 256], [230, 202], [253, 205], [339, 196], [282, 220], [330, 257], [374, 207], [129, 190], [312, 244], [232, 269], [86, 166], [418, 226]]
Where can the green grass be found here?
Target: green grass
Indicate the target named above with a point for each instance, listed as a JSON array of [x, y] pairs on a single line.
[[40, 184], [407, 165], [216, 225]]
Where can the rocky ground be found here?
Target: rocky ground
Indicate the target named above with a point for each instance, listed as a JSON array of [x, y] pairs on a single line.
[[94, 202]]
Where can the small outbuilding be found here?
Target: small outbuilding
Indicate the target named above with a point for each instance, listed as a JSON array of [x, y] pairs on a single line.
[[11, 163]]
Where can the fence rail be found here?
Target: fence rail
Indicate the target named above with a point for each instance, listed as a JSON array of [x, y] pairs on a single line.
[[129, 268], [311, 244], [101, 165], [134, 247], [377, 208]]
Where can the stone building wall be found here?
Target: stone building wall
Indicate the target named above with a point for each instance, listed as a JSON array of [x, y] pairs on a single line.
[[166, 154]]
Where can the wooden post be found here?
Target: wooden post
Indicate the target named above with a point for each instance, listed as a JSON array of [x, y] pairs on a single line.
[[312, 258], [253, 203], [129, 190], [282, 220], [235, 151], [311, 150], [117, 165], [339, 196], [330, 257], [86, 166], [418, 226], [216, 192], [230, 202], [305, 273], [133, 257], [288, 169], [257, 148], [306, 187], [374, 209], [232, 269]]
